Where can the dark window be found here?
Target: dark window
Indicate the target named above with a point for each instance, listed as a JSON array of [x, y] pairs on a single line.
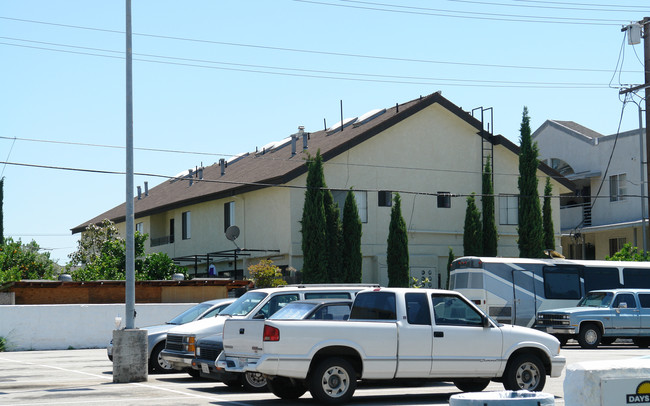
[[626, 298], [327, 295], [385, 198], [417, 309], [186, 225], [636, 278], [374, 306], [451, 310], [562, 283], [601, 278], [645, 300], [228, 215], [462, 280], [615, 245], [276, 303], [171, 231], [444, 200]]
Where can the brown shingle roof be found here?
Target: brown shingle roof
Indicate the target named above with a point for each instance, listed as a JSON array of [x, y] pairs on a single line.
[[572, 125]]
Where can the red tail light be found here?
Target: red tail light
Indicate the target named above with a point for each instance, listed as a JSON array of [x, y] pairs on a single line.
[[271, 333]]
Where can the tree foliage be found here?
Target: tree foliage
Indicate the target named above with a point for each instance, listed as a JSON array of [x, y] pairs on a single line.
[[101, 255], [629, 253], [333, 236], [397, 252], [266, 275], [472, 233], [351, 255], [530, 218], [20, 261], [313, 224], [490, 234], [450, 259], [2, 227], [547, 216]]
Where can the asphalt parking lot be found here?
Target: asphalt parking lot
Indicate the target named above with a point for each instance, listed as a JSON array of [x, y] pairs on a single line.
[[84, 377]]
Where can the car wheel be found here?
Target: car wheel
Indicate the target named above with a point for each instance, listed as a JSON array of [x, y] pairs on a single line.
[[589, 336], [194, 373], [253, 382], [607, 340], [525, 371], [563, 339], [474, 385], [642, 342], [156, 363], [333, 381], [285, 388]]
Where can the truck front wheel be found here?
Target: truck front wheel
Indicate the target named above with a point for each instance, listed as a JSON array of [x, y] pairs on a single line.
[[525, 371], [472, 385], [589, 336], [333, 381]]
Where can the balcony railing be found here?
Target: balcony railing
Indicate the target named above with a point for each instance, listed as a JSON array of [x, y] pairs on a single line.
[[168, 239]]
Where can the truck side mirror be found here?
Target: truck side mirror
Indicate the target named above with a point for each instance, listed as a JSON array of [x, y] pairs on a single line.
[[622, 305], [486, 321]]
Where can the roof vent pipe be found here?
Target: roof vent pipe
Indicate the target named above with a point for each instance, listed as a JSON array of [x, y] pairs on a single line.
[[191, 174], [201, 173], [139, 193], [146, 189], [222, 164], [305, 137]]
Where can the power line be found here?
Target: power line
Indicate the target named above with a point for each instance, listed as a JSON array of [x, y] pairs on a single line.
[[473, 82], [308, 51], [468, 14], [640, 9]]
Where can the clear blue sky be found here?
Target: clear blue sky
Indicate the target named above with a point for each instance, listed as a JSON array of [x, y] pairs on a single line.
[[215, 78]]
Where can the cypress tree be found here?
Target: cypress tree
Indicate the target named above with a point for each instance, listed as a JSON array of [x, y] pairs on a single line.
[[335, 271], [530, 217], [547, 217], [450, 259], [490, 235], [472, 234], [397, 252], [2, 226], [314, 241], [352, 257]]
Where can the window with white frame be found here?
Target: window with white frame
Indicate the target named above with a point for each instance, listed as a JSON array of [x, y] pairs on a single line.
[[384, 198], [228, 215], [186, 225], [508, 210], [617, 187], [139, 227], [615, 245], [361, 198]]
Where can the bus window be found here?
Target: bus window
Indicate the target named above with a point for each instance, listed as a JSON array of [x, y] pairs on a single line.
[[636, 278], [600, 278], [475, 281], [462, 279], [562, 283]]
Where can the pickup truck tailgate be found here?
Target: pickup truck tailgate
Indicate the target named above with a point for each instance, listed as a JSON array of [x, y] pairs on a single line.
[[243, 337]]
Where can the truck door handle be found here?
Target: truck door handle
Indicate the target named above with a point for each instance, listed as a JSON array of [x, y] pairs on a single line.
[[438, 334]]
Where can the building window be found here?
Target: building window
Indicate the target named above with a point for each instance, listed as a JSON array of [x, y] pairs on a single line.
[[361, 199], [617, 187], [444, 200], [508, 210], [187, 228], [615, 245], [139, 227], [385, 198], [228, 215]]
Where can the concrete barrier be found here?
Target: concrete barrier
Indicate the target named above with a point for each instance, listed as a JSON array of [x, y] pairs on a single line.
[[59, 327], [505, 398], [606, 383]]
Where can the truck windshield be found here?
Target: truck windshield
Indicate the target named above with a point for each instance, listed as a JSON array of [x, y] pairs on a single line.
[[244, 305], [596, 299]]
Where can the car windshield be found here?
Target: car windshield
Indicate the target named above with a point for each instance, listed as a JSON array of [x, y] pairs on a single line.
[[293, 311], [190, 314], [244, 305], [596, 299]]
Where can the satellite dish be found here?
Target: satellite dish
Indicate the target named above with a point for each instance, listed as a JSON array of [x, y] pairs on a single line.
[[232, 233]]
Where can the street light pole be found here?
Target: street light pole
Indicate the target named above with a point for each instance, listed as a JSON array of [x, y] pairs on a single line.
[[130, 244]]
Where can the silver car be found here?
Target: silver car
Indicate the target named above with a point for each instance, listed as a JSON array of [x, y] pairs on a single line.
[[156, 335]]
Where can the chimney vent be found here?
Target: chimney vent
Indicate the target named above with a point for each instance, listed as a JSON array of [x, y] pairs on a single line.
[[139, 193], [222, 164], [146, 189], [305, 136], [191, 176]]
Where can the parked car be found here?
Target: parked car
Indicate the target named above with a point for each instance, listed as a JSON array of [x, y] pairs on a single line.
[[601, 317], [391, 334], [258, 303], [156, 335], [209, 348]]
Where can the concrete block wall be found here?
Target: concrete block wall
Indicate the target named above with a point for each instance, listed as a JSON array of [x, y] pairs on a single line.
[[58, 327]]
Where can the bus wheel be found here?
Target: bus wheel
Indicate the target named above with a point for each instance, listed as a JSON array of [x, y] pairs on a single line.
[[589, 336]]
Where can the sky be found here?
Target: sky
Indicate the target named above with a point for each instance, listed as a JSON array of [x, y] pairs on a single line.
[[212, 79]]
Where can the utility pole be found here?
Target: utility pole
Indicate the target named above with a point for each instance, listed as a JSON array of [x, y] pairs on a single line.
[[633, 40]]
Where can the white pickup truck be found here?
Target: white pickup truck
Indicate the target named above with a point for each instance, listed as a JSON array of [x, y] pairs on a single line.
[[392, 333]]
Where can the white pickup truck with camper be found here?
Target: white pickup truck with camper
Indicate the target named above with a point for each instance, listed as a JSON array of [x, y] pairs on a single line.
[[391, 334]]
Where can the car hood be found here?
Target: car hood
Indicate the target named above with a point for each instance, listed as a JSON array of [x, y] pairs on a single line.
[[516, 335], [200, 328], [161, 328], [573, 310]]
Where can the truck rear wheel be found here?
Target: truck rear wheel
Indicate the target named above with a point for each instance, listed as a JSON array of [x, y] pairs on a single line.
[[589, 336], [253, 382], [525, 371], [473, 385], [333, 381], [285, 388]]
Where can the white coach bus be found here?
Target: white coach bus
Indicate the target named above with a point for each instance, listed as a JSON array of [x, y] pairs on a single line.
[[513, 290]]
